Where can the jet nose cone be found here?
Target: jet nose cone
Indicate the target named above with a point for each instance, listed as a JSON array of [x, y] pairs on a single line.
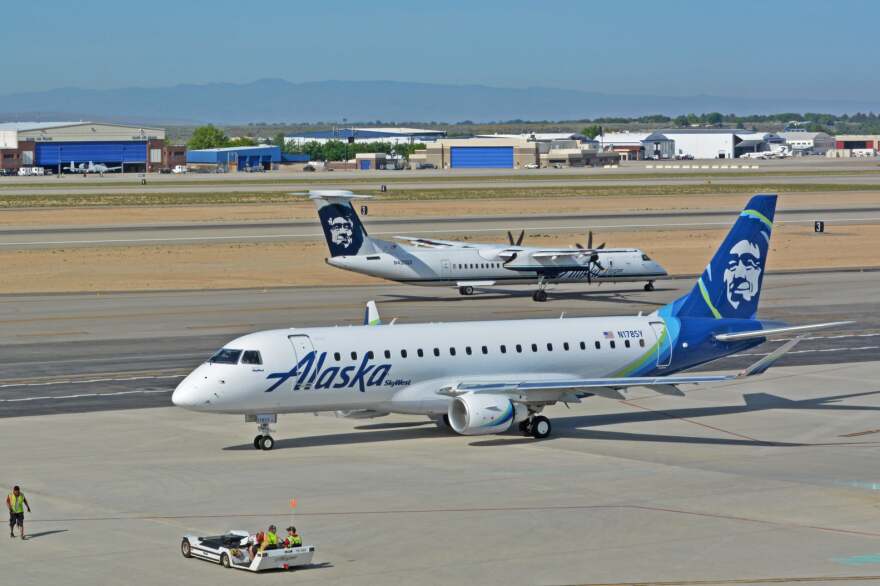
[[186, 394]]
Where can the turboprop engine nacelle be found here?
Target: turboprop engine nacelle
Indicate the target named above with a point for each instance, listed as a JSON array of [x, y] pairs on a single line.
[[474, 414]]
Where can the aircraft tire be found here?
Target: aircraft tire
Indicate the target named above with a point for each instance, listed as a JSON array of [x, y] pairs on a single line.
[[540, 427], [257, 442], [524, 428], [539, 296], [649, 286], [267, 443], [466, 290]]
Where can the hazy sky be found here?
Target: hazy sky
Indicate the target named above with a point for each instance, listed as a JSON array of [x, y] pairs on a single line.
[[782, 48]]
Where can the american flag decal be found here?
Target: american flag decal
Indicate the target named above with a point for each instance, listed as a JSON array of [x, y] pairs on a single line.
[[608, 335]]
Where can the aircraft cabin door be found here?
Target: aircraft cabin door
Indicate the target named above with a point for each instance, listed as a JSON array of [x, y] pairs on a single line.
[[664, 348], [302, 345], [445, 267]]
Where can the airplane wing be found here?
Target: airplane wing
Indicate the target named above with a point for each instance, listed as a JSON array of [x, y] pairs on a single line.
[[572, 390], [553, 253]]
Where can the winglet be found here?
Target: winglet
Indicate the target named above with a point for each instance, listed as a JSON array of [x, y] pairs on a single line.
[[767, 361], [371, 314]]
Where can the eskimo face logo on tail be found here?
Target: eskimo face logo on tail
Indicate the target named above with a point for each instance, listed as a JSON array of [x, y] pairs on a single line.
[[742, 275], [341, 231]]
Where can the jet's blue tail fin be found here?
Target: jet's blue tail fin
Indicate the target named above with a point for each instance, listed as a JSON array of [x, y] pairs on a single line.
[[730, 286]]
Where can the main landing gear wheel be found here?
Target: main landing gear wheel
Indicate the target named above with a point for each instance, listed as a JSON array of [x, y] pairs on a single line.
[[649, 286], [266, 442], [257, 441], [524, 428], [539, 295], [466, 290], [540, 427]]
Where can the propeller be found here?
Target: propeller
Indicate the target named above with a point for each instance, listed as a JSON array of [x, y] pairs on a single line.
[[594, 258], [519, 240]]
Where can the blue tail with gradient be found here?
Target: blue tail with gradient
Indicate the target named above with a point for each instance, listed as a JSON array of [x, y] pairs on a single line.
[[730, 286]]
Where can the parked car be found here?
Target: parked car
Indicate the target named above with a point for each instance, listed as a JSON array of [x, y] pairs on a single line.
[[308, 168], [178, 169], [165, 171], [6, 172], [426, 166], [531, 166]]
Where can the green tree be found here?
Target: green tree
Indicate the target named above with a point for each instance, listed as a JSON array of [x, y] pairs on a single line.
[[680, 121], [207, 137], [241, 141], [592, 131]]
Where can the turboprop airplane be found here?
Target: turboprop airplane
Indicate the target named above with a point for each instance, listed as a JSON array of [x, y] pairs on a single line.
[[92, 167], [469, 265], [487, 377]]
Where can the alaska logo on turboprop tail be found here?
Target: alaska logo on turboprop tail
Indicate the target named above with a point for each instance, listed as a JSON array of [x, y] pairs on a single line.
[[311, 374]]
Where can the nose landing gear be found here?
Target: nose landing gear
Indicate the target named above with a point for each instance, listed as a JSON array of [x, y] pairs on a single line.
[[263, 441], [541, 294], [649, 286]]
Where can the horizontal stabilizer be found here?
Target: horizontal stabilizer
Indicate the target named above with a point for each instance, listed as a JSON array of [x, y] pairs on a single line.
[[334, 195], [737, 336], [767, 361]]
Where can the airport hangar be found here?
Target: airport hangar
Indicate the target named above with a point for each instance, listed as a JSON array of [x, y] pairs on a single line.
[[54, 145], [393, 135], [239, 158]]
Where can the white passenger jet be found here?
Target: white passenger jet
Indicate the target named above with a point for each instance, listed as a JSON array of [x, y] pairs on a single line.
[[487, 377], [92, 167], [469, 265]]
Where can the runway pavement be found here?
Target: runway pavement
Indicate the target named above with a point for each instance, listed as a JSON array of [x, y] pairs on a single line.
[[132, 235], [86, 352]]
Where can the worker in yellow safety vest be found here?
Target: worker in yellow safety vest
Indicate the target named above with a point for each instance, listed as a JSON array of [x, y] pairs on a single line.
[[271, 541], [16, 502], [293, 539]]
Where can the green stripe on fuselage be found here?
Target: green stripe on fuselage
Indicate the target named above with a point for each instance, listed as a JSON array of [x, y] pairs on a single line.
[[653, 350]]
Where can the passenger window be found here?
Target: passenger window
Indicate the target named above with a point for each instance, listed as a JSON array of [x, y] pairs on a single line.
[[485, 350], [251, 357], [583, 346], [642, 342], [225, 356], [626, 343], [467, 350], [403, 353], [598, 345], [549, 347], [354, 355], [420, 352], [503, 349], [436, 351], [612, 344], [534, 347], [337, 356], [451, 351], [387, 353], [518, 348], [369, 355]]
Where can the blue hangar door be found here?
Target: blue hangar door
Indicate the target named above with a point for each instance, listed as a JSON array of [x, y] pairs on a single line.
[[50, 154], [481, 157]]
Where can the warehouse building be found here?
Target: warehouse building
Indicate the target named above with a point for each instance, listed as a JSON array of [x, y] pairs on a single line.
[[391, 135], [478, 153], [232, 159], [54, 145], [703, 143], [636, 146], [804, 142]]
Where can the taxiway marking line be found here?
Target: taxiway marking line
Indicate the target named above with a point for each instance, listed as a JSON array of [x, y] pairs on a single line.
[[449, 231], [88, 381], [686, 420], [84, 395], [809, 351]]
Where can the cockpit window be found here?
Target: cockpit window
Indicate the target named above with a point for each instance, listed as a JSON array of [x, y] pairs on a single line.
[[251, 357], [646, 257], [225, 356]]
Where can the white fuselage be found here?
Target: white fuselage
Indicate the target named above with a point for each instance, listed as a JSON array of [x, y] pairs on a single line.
[[400, 368], [455, 266]]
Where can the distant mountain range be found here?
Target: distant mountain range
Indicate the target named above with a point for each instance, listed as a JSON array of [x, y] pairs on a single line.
[[276, 100]]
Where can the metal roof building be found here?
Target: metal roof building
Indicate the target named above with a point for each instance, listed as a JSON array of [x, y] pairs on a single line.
[[242, 158], [391, 134], [57, 144]]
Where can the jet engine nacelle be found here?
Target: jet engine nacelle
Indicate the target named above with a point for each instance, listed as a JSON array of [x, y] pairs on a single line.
[[476, 414]]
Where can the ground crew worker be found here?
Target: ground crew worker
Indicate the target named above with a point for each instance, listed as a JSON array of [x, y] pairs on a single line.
[[16, 502], [293, 539], [271, 541]]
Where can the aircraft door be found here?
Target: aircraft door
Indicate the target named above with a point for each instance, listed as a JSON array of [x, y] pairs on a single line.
[[664, 348], [302, 345], [445, 269]]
